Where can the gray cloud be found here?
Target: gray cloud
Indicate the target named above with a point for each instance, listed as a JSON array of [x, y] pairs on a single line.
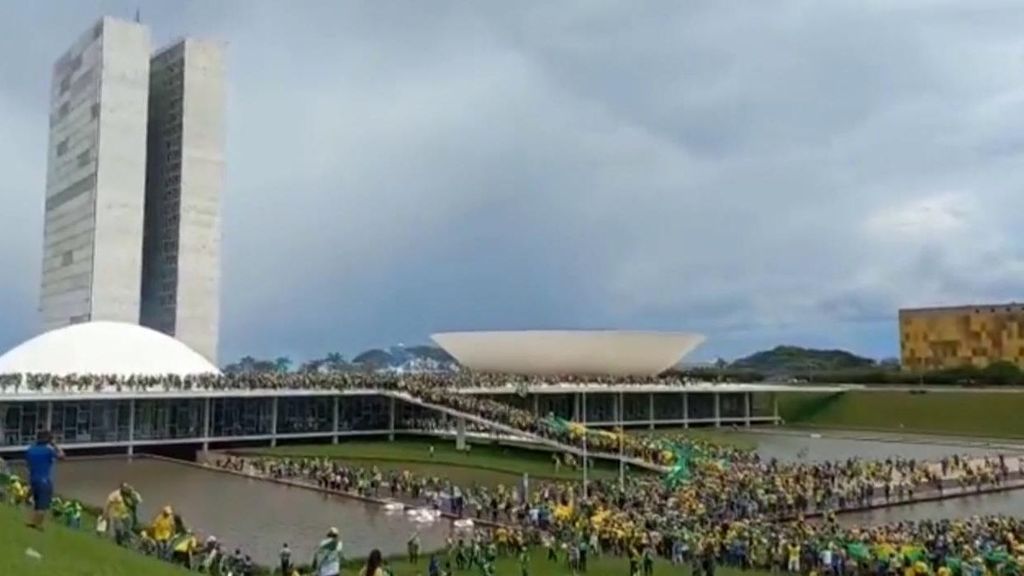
[[762, 172]]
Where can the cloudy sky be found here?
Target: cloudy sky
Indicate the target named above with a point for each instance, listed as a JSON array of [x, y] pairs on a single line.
[[761, 172]]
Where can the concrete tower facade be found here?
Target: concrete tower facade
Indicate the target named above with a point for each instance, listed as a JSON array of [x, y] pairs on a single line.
[[134, 179], [185, 177], [92, 239]]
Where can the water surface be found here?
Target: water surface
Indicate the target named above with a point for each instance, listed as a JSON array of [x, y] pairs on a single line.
[[256, 515]]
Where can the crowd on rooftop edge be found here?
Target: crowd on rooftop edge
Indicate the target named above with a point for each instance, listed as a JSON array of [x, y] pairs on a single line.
[[306, 381], [431, 388], [428, 387]]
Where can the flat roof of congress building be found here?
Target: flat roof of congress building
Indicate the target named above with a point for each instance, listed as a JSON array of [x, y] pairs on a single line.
[[577, 352]]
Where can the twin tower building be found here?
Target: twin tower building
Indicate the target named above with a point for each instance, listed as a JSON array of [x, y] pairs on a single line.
[[133, 185]]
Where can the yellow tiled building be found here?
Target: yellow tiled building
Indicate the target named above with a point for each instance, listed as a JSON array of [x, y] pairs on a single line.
[[935, 338]]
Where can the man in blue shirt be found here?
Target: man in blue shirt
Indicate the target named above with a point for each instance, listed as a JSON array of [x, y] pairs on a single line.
[[40, 458]]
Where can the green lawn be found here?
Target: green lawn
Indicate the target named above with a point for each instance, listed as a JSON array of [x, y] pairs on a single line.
[[78, 553], [484, 464], [67, 552], [540, 566], [995, 415]]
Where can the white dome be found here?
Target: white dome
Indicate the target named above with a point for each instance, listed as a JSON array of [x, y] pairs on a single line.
[[113, 348]]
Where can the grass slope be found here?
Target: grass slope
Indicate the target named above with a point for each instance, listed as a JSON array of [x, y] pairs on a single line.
[[995, 415], [67, 552], [484, 464], [540, 566], [76, 553]]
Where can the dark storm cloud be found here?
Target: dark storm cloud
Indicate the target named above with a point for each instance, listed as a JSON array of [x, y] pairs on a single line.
[[762, 172]]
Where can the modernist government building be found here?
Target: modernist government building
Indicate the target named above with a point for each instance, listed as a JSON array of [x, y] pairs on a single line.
[[133, 185], [131, 278], [112, 419]]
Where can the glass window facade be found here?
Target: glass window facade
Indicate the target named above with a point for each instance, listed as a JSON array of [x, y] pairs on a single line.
[[305, 415], [637, 407], [600, 407], [241, 417], [20, 421], [108, 421], [668, 406], [559, 405], [762, 404], [168, 419], [363, 413], [87, 422], [701, 406], [413, 417], [731, 405]]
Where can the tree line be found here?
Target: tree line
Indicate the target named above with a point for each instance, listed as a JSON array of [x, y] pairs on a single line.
[[333, 362]]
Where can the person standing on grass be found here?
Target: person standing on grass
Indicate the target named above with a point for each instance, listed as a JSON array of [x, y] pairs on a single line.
[[327, 558], [374, 565], [286, 559], [163, 529], [414, 548], [524, 560], [40, 458]]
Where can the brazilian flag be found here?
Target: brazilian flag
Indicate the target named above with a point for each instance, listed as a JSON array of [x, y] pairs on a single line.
[[680, 472], [858, 551]]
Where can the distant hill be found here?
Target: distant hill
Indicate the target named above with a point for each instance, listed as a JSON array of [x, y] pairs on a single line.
[[794, 360], [374, 359], [407, 358]]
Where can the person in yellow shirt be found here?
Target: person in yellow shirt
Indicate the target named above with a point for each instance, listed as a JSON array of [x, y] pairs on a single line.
[[793, 560], [19, 491], [183, 547], [163, 530], [908, 569], [116, 512]]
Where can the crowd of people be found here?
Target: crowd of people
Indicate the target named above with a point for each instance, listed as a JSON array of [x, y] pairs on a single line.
[[748, 514], [429, 387], [167, 537], [732, 508], [659, 451], [334, 380]]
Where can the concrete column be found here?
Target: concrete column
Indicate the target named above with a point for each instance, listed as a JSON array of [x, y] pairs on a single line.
[[686, 410], [49, 417], [334, 439], [718, 410], [746, 409], [206, 425], [536, 405], [131, 427], [391, 420], [575, 407], [273, 422], [650, 410], [460, 434], [617, 409]]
